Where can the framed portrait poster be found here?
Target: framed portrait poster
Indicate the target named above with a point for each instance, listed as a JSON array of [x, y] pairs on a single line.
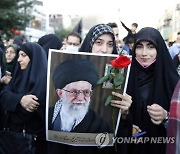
[[109, 114]]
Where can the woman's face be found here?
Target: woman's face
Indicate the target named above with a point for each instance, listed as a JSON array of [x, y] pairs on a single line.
[[23, 59], [145, 53], [10, 54], [104, 44]]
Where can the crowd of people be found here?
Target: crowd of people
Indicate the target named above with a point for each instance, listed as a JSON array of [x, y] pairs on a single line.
[[149, 104]]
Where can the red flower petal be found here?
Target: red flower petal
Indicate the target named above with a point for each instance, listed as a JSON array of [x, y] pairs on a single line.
[[120, 62]]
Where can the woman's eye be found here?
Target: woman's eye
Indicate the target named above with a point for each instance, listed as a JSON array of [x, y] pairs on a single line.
[[23, 55], [110, 44], [98, 42], [138, 46], [151, 46]]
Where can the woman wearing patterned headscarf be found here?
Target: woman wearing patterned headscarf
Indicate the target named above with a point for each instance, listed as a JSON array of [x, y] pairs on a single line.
[[152, 80], [100, 39], [24, 97]]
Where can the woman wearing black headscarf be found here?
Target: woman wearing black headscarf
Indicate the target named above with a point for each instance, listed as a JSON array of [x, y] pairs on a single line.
[[25, 96], [18, 40], [152, 80], [105, 45], [9, 59], [50, 41]]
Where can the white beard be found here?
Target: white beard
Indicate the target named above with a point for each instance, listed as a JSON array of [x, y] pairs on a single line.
[[72, 114]]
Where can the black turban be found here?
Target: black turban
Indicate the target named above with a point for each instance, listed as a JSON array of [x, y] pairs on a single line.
[[74, 70]]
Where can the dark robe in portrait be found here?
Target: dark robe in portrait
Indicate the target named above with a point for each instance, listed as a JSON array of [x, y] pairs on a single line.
[[152, 85], [92, 123], [31, 80]]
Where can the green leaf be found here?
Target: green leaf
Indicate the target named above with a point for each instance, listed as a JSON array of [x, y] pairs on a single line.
[[118, 79], [110, 77], [108, 100], [103, 79], [115, 70]]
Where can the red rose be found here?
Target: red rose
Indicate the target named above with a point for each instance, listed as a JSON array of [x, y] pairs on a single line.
[[120, 62]]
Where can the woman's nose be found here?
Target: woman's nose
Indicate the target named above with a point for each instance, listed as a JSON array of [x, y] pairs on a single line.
[[104, 48]]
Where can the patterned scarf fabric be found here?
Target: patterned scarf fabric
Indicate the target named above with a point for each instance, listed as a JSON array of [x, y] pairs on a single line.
[[99, 30], [174, 122], [178, 69]]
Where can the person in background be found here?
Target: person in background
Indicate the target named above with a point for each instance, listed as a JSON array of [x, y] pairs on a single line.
[[173, 123], [175, 48], [73, 42], [50, 41], [2, 46], [151, 83], [23, 99], [131, 31], [18, 40], [100, 39], [129, 45], [115, 29], [131, 36], [8, 61]]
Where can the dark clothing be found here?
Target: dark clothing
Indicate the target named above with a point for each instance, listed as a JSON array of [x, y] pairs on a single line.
[[94, 34], [130, 35], [18, 40], [8, 67], [147, 86], [50, 41], [31, 80], [176, 61], [2, 47], [91, 123]]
